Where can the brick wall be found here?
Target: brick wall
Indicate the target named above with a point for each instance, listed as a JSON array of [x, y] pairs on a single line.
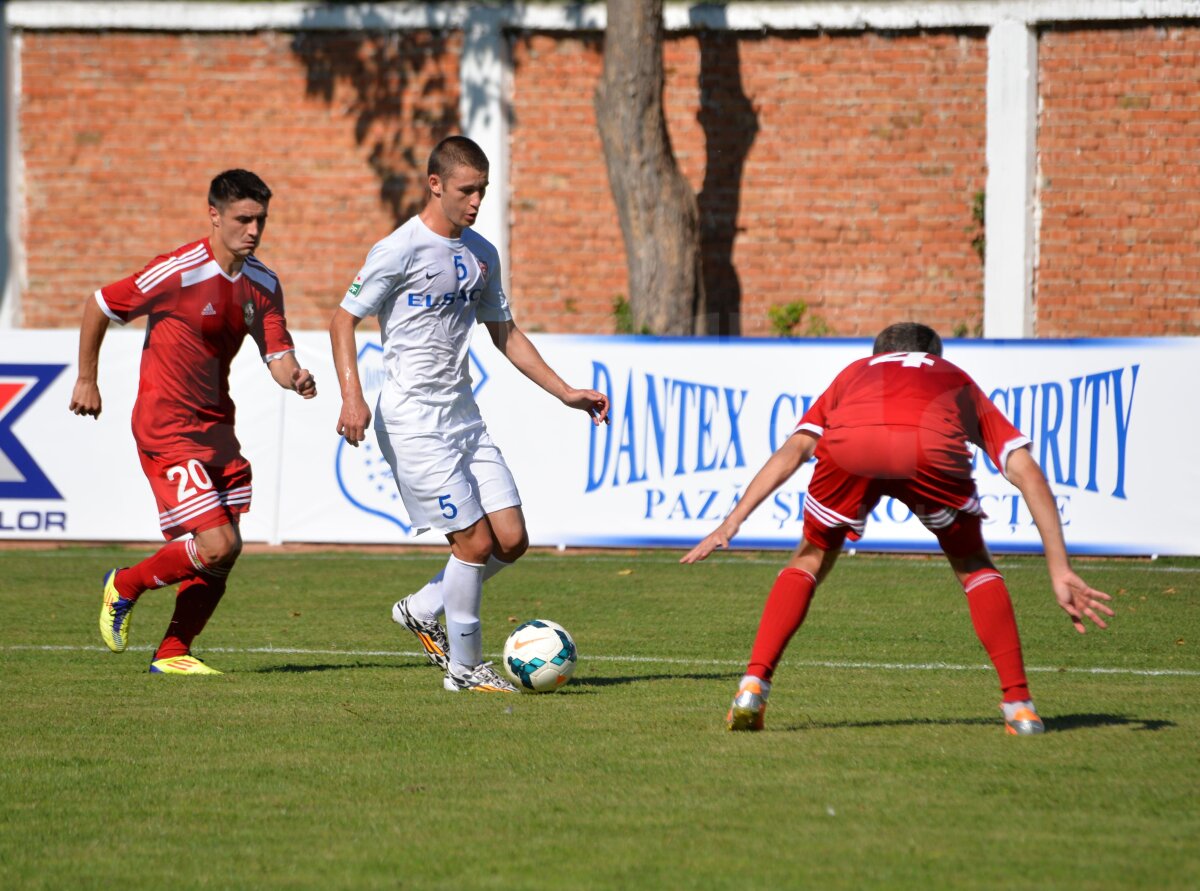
[[836, 169], [120, 134], [1119, 148], [862, 156]]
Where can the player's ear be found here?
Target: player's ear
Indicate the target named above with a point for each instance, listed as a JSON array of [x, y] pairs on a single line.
[[214, 216], [435, 185]]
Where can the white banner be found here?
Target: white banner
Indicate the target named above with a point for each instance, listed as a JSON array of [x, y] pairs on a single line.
[[693, 420]]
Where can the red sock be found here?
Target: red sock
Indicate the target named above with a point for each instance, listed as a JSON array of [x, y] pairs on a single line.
[[786, 607], [996, 627], [194, 604], [173, 563]]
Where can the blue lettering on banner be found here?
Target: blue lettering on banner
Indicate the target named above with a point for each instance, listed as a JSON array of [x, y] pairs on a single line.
[[797, 406], [786, 508], [1050, 416], [33, 521], [665, 428]]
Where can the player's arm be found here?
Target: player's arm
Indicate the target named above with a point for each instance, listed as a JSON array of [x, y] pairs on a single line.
[[520, 351], [1074, 595], [85, 397], [287, 372], [355, 414], [779, 468]]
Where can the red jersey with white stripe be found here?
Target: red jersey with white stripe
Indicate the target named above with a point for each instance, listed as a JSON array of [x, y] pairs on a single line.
[[909, 411], [197, 318]]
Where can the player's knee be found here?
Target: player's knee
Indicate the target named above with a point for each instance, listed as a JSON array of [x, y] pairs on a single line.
[[474, 544], [512, 550], [218, 551]]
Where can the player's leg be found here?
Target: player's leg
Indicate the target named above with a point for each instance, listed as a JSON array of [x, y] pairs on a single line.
[[485, 472], [992, 617], [440, 493], [834, 502], [186, 496], [427, 604], [787, 605], [196, 601], [511, 539]]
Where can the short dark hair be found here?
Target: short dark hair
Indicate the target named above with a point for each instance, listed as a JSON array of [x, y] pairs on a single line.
[[454, 152], [908, 337], [235, 185]]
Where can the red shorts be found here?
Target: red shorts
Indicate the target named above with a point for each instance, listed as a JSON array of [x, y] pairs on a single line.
[[194, 496], [839, 501]]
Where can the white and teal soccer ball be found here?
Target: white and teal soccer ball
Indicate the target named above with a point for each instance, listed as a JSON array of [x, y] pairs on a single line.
[[539, 656]]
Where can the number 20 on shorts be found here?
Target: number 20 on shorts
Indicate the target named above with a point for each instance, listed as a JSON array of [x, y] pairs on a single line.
[[191, 478]]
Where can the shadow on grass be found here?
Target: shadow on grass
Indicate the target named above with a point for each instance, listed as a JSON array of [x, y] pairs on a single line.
[[1059, 724], [292, 668], [593, 681], [1062, 723]]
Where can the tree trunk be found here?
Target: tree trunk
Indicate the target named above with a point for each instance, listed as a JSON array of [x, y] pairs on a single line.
[[656, 206]]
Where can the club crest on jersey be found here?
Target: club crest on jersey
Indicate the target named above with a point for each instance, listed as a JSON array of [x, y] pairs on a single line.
[[355, 286], [248, 312], [483, 268]]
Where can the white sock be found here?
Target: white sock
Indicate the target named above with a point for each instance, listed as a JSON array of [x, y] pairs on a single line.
[[428, 604], [1011, 708], [462, 590], [766, 685]]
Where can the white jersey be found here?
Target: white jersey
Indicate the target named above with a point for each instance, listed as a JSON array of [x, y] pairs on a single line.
[[428, 292]]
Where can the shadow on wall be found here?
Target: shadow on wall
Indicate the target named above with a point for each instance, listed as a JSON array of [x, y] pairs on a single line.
[[399, 100], [730, 125]]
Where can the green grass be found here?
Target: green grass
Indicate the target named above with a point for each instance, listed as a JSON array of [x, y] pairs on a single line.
[[342, 763]]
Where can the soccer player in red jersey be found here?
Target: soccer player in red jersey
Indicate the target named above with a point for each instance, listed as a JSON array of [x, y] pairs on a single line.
[[200, 301], [897, 424]]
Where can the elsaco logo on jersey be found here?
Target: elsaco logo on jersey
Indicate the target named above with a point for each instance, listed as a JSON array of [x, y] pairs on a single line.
[[20, 386], [355, 286]]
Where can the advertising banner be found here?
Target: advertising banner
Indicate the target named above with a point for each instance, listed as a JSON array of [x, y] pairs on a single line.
[[1111, 423]]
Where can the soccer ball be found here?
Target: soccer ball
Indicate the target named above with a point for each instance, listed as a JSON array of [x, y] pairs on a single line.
[[539, 656]]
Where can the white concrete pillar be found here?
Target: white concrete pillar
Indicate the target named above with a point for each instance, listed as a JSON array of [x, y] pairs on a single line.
[[483, 109], [1012, 170]]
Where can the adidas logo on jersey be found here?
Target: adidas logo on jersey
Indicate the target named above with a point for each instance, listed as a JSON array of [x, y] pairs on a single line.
[[208, 310]]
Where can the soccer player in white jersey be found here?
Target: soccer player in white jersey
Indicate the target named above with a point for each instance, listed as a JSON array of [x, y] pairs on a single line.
[[200, 302], [429, 282]]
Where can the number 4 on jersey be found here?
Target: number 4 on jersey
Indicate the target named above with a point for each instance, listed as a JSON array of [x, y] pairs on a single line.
[[906, 360]]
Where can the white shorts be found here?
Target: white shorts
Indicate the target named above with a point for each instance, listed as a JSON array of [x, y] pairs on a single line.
[[448, 482]]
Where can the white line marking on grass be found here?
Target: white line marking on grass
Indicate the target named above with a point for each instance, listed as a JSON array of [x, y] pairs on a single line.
[[654, 660], [931, 561]]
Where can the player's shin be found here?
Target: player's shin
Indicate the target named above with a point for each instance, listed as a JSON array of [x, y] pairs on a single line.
[[194, 605], [996, 626], [428, 604], [784, 612], [173, 562], [463, 591]]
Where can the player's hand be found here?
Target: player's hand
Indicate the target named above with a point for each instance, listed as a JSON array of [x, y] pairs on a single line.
[[304, 383], [85, 398], [718, 538], [1078, 600], [353, 421], [593, 402]]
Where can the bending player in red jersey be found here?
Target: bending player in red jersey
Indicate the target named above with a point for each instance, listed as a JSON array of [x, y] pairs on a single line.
[[897, 424], [200, 302]]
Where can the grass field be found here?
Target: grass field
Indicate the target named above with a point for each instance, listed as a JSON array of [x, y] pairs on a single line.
[[330, 757]]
